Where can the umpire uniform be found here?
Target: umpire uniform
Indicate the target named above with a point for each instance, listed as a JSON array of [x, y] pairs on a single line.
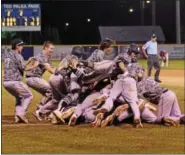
[[153, 61], [13, 75]]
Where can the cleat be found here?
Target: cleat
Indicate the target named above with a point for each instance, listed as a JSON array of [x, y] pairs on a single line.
[[23, 119], [107, 121], [101, 110], [98, 120], [17, 120], [58, 114], [170, 122], [157, 80], [68, 113], [182, 120], [120, 109], [37, 115], [50, 117], [54, 120], [137, 123], [72, 121]]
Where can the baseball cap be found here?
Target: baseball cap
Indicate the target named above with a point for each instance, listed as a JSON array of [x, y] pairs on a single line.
[[153, 36], [17, 42]]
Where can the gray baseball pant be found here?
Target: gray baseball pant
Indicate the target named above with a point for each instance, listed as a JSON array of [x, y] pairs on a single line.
[[88, 102], [43, 87], [127, 89], [168, 106], [153, 61], [146, 115], [22, 95], [58, 87]]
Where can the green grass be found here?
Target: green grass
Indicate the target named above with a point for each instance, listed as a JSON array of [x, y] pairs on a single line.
[[85, 139], [173, 64]]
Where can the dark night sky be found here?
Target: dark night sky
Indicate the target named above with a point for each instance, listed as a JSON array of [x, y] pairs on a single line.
[[102, 12]]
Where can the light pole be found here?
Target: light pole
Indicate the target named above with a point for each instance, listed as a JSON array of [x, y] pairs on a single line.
[[153, 13], [178, 27], [142, 6]]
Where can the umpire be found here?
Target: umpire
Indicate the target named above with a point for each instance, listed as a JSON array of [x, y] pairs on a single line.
[[152, 56]]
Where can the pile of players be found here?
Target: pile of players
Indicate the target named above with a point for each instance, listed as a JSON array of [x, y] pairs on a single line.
[[98, 91]]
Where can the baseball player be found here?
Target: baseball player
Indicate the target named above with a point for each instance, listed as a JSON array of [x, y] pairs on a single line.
[[13, 74], [168, 110], [99, 54], [34, 77], [152, 56], [65, 84], [164, 58]]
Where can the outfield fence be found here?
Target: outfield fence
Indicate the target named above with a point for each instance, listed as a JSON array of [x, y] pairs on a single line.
[[176, 51]]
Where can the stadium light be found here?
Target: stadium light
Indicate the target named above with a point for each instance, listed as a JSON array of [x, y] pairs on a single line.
[[131, 10], [148, 2], [67, 24], [88, 20]]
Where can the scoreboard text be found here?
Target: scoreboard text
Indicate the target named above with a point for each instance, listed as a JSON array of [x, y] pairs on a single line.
[[20, 17]]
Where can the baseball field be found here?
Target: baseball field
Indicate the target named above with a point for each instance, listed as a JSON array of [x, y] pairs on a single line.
[[46, 138]]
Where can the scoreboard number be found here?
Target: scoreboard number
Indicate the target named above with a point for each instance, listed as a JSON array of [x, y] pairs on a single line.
[[8, 13], [38, 21], [32, 22], [25, 21], [21, 13]]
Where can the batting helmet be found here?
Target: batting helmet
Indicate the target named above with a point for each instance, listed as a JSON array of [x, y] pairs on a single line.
[[78, 51], [133, 48]]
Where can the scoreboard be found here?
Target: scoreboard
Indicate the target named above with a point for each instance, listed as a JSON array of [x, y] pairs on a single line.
[[20, 17]]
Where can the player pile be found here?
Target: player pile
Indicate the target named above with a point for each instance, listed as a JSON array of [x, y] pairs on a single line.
[[98, 91]]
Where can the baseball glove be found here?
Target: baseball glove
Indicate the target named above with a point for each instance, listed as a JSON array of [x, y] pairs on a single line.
[[31, 64]]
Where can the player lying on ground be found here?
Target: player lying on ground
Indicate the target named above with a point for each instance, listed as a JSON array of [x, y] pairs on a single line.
[[167, 111]]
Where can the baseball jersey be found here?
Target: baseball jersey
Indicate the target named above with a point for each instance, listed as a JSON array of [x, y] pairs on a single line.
[[96, 56], [39, 71], [123, 57], [149, 89], [13, 66], [151, 47]]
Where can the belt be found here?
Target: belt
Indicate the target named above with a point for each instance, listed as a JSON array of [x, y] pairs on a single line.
[[165, 90], [153, 54], [32, 76]]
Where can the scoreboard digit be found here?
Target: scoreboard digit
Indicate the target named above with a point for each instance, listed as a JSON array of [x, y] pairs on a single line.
[[20, 17]]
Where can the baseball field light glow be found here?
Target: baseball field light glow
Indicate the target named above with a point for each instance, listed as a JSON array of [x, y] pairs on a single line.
[[88, 20], [131, 10]]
